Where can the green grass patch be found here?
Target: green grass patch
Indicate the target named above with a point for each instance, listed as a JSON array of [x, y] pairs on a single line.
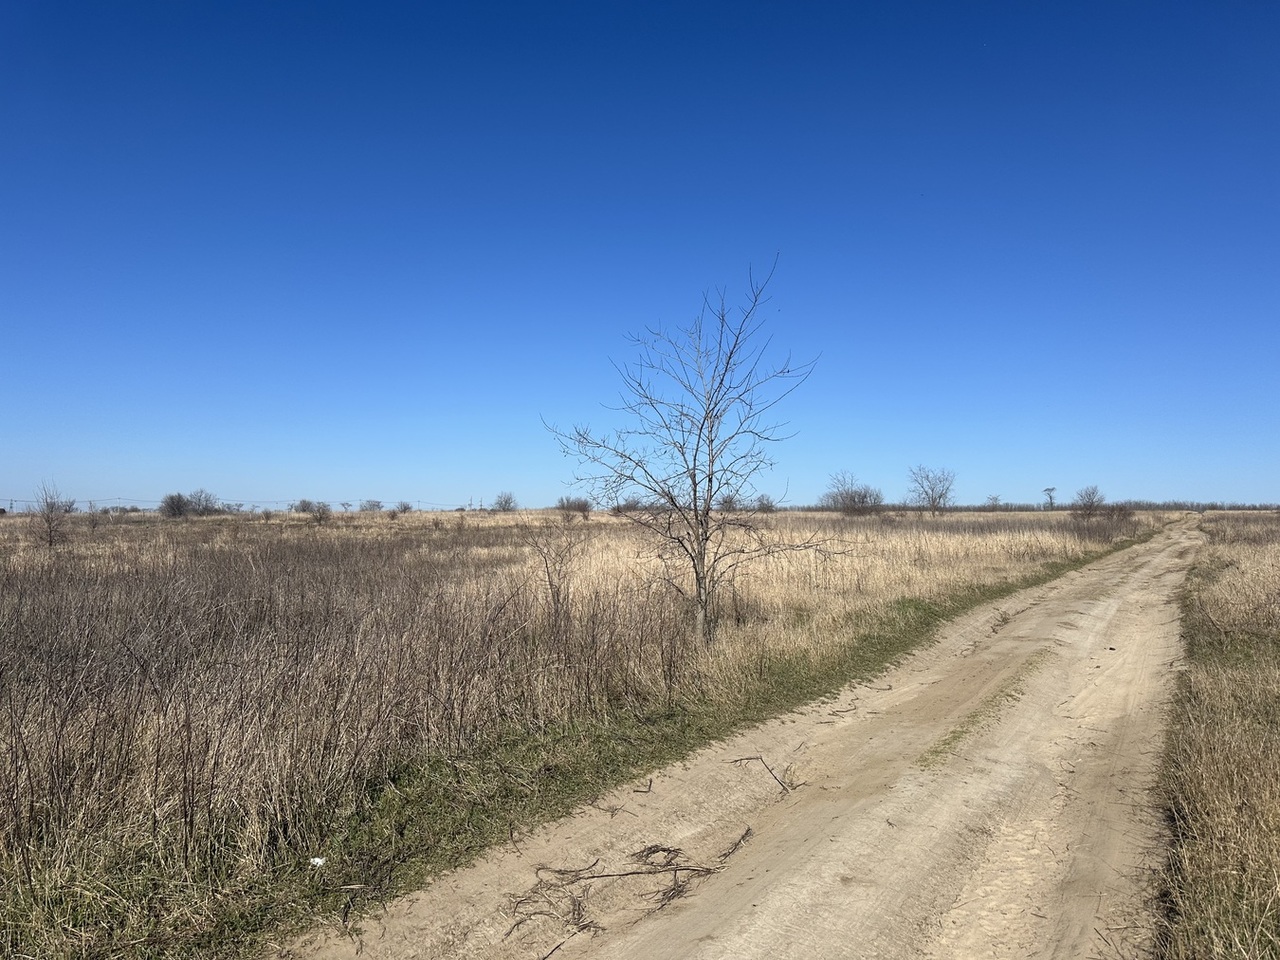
[[985, 714]]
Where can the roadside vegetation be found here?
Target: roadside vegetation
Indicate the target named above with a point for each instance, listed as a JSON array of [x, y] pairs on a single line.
[[1221, 886], [216, 728]]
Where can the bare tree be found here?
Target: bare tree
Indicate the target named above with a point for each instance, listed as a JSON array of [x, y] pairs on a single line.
[[370, 506], [931, 488], [505, 502], [1048, 496], [700, 401], [728, 503], [846, 495], [1087, 504], [49, 520], [557, 544], [203, 503], [993, 502]]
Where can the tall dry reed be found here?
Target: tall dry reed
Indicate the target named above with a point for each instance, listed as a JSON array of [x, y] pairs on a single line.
[[1222, 883]]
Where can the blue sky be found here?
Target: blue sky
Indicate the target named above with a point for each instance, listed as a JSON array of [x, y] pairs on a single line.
[[343, 251]]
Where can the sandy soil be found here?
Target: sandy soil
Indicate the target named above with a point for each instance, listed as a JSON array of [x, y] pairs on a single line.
[[987, 798]]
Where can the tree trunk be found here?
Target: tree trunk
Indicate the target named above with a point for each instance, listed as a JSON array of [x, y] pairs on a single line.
[[704, 623]]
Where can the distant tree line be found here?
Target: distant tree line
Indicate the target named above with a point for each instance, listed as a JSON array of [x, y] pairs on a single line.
[[930, 489]]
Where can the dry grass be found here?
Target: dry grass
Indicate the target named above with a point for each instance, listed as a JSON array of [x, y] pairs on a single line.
[[191, 711], [1222, 884]]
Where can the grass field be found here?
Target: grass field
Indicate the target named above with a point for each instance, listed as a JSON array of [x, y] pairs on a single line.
[[1222, 882], [194, 713]]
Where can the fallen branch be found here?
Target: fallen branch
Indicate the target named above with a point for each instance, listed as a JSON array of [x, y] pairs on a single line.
[[786, 788], [747, 834]]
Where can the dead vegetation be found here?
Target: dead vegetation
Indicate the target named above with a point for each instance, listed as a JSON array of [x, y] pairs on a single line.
[[211, 724], [1221, 888]]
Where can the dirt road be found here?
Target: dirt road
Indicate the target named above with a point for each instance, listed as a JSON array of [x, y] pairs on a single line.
[[987, 798]]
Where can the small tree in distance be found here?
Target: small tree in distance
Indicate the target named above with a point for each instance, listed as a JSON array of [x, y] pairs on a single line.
[[1048, 497], [1088, 503], [846, 495], [318, 510], [930, 488], [49, 520], [370, 506], [728, 503], [505, 502]]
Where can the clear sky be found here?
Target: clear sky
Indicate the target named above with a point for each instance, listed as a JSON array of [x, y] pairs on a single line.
[[347, 250]]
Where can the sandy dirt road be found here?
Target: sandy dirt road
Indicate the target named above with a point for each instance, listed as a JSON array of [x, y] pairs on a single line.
[[987, 798]]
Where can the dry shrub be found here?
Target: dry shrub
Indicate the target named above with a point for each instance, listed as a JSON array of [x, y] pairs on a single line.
[[190, 712]]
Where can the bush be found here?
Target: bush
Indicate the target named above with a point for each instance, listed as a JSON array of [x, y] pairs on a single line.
[[572, 505], [846, 495], [174, 505], [370, 506], [197, 503]]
